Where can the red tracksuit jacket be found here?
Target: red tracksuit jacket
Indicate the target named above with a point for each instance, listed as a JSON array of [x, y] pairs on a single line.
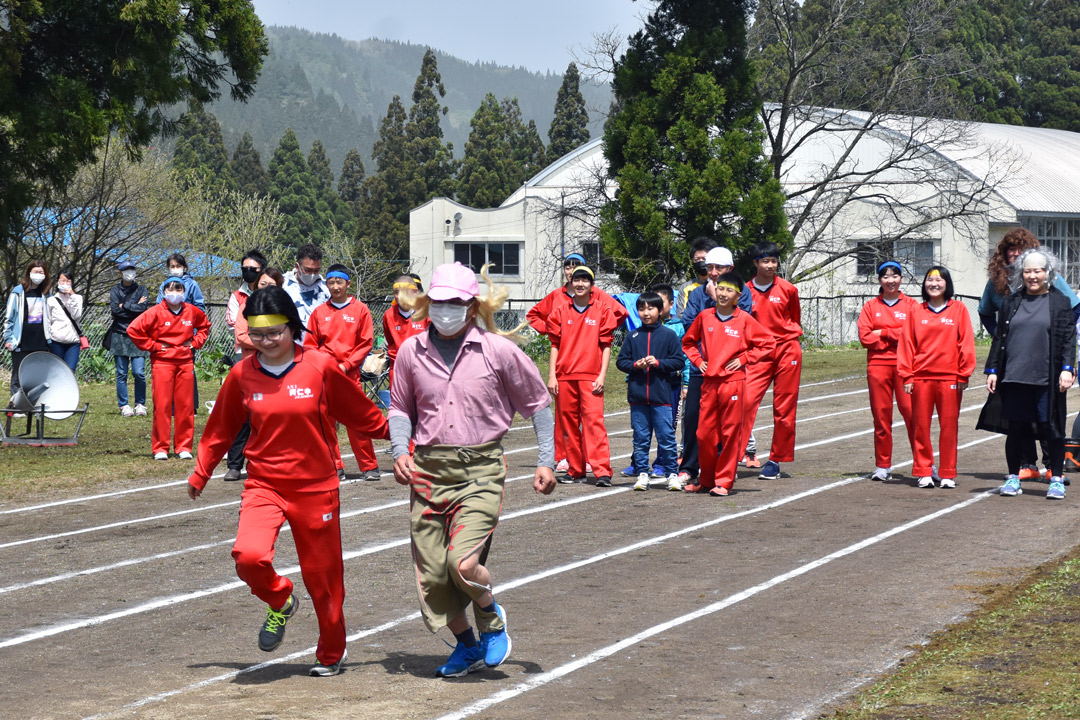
[[539, 313], [293, 437], [890, 320], [778, 309], [163, 333], [937, 346], [345, 334], [580, 338], [397, 329], [741, 336]]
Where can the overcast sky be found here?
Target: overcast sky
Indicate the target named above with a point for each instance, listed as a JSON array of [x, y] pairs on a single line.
[[537, 35]]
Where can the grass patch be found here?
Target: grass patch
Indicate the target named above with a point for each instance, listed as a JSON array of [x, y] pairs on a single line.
[[1017, 657]]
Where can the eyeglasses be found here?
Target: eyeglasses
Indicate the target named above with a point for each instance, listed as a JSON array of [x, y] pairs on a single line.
[[272, 336]]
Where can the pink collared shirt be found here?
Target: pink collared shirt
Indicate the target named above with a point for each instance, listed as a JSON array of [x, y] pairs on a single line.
[[475, 404]]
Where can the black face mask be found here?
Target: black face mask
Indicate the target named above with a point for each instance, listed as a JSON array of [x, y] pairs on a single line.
[[700, 269], [250, 274]]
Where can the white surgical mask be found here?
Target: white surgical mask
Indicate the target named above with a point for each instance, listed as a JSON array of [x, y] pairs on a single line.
[[128, 275], [174, 297], [448, 319], [176, 272], [63, 287], [37, 278]]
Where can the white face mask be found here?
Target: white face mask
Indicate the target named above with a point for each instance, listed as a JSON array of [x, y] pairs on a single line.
[[37, 278], [128, 275], [63, 287], [176, 272], [306, 278], [448, 319], [174, 297]]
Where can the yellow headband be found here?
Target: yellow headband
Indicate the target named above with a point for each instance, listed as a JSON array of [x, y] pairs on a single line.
[[404, 285], [261, 321], [733, 286], [933, 273]]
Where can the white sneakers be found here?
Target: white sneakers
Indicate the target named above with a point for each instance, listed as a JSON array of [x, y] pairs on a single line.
[[185, 455], [948, 483], [140, 410], [881, 475], [926, 482], [642, 482], [126, 411], [161, 456], [674, 482]]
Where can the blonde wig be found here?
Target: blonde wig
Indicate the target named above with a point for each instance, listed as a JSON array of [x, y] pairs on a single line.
[[483, 308]]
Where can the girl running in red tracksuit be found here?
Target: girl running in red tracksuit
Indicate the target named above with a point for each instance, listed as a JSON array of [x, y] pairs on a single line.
[[880, 325], [171, 331], [936, 359], [730, 339], [291, 397]]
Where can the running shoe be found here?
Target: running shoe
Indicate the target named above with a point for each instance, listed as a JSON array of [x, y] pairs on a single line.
[[603, 481], [1056, 491], [588, 468], [496, 644], [184, 455], [684, 478], [1028, 472], [562, 466], [126, 411], [570, 480], [341, 474], [161, 456], [658, 471], [320, 670], [752, 461], [642, 482], [881, 475], [372, 475], [692, 488], [1011, 487], [926, 482], [949, 483], [462, 661], [771, 471], [629, 471], [719, 491], [674, 483], [140, 410], [273, 630], [232, 475]]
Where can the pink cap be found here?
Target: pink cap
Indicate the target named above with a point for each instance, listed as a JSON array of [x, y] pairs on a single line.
[[453, 281]]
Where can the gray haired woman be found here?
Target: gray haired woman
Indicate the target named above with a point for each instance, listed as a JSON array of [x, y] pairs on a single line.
[[1032, 363]]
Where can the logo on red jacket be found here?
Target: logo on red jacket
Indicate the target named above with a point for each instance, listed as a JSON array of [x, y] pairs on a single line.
[[774, 299], [300, 393], [186, 322], [347, 318], [899, 315], [733, 332], [590, 321], [947, 321]]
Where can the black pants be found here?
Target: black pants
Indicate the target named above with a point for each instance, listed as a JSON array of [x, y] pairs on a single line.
[[1020, 450], [691, 412], [235, 459]]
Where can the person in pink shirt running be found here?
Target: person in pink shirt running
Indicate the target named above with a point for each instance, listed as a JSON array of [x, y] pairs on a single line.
[[456, 389]]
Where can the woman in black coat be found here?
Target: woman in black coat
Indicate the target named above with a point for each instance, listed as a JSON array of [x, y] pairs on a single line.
[[1032, 363]]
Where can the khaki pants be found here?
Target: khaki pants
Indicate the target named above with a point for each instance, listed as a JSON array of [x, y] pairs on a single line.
[[452, 525]]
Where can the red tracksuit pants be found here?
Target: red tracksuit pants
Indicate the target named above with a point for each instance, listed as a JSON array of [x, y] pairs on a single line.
[[582, 416], [945, 397], [784, 369], [361, 444], [885, 385], [173, 384], [316, 530], [720, 420]]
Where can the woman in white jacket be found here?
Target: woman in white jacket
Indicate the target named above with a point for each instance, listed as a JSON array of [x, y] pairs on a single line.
[[65, 316], [26, 319]]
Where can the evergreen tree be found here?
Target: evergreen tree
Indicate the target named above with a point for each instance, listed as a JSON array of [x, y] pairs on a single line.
[[294, 190], [434, 163], [1050, 65], [488, 171], [534, 153], [352, 177], [200, 149], [991, 32], [383, 219], [685, 143], [526, 147], [323, 178], [247, 168], [570, 128]]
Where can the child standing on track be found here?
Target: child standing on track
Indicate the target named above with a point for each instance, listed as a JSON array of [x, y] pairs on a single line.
[[581, 334], [398, 323], [721, 343], [172, 331], [936, 359], [342, 328], [881, 323], [292, 397], [776, 307], [650, 356]]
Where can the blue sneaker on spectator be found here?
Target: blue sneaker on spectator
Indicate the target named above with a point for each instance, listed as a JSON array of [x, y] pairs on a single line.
[[1012, 486], [629, 471], [496, 644], [1056, 490], [770, 471], [462, 661]]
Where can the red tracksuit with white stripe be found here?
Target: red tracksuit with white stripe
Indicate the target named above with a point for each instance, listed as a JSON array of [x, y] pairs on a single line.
[[537, 317], [722, 416], [580, 338], [882, 376], [777, 309], [291, 476], [164, 334], [937, 356], [347, 335], [397, 329]]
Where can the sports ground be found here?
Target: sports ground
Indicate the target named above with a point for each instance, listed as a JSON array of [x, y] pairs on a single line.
[[774, 602]]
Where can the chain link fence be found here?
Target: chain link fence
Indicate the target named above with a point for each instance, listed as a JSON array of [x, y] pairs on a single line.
[[832, 321]]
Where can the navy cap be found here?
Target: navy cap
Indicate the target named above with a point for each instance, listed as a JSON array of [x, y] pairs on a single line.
[[125, 265]]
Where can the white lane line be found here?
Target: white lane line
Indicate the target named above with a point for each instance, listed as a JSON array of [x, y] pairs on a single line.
[[605, 652], [307, 652]]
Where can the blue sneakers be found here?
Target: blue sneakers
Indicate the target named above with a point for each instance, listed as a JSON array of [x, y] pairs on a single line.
[[496, 644], [770, 471], [1056, 490], [629, 471], [462, 661], [1012, 487]]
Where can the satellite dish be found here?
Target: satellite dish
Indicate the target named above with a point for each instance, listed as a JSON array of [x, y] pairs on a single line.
[[46, 379]]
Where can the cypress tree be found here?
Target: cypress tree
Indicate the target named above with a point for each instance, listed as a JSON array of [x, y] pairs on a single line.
[[200, 149], [329, 202], [433, 162], [383, 219], [1050, 65], [352, 177], [570, 128], [488, 171], [293, 188], [247, 168]]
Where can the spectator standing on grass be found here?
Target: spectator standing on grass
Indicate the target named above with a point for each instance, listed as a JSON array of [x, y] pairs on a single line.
[[581, 336], [26, 320], [292, 397], [398, 322], [251, 269], [127, 300], [650, 356], [881, 324], [935, 359], [171, 331], [342, 328], [304, 282], [178, 268], [65, 309], [1031, 365], [456, 392]]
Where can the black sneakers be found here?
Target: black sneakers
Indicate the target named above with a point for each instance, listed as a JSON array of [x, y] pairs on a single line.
[[273, 630], [320, 670]]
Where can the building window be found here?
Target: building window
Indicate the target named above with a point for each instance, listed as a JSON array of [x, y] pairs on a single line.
[[916, 256], [505, 258], [596, 262], [1062, 236]]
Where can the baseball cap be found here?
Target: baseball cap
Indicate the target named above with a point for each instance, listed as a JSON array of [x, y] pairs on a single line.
[[125, 265], [453, 281], [719, 256]]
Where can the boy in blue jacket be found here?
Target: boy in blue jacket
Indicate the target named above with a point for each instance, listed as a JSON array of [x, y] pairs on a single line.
[[651, 356]]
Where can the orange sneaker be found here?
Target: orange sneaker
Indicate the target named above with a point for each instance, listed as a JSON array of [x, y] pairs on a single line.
[[719, 491], [752, 462], [692, 488], [1029, 472]]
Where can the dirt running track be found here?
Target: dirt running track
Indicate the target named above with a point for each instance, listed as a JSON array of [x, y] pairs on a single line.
[[771, 603]]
